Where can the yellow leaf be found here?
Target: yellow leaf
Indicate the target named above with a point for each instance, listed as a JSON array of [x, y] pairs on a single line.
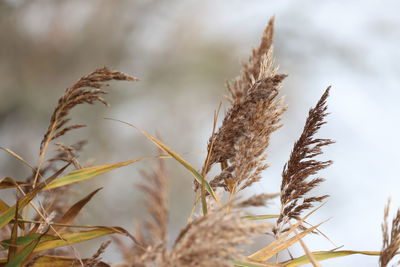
[[73, 237], [87, 173], [260, 217], [281, 243], [324, 255], [57, 261]]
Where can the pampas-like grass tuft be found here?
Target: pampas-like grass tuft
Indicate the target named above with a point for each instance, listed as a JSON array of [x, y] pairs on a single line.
[[220, 235]]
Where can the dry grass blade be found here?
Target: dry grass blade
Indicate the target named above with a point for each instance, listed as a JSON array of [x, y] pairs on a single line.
[[302, 165], [59, 261], [256, 264], [4, 207], [274, 250], [176, 156], [391, 242], [24, 254], [19, 158], [12, 250], [73, 237], [325, 255], [96, 230], [8, 182], [281, 243], [7, 215], [27, 198], [261, 217], [73, 211], [88, 173], [309, 255], [207, 164]]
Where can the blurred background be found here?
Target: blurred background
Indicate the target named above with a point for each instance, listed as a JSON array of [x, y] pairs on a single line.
[[183, 52]]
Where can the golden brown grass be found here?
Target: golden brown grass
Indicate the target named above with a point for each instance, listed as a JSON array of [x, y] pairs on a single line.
[[220, 235], [73, 96], [301, 165], [391, 241]]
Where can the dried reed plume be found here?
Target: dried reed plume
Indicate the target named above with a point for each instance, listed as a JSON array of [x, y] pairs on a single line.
[[302, 165], [252, 69], [152, 237], [78, 94], [68, 153], [241, 141], [75, 95], [65, 154], [391, 243], [156, 189], [256, 200], [214, 240], [218, 236], [95, 259], [210, 240]]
